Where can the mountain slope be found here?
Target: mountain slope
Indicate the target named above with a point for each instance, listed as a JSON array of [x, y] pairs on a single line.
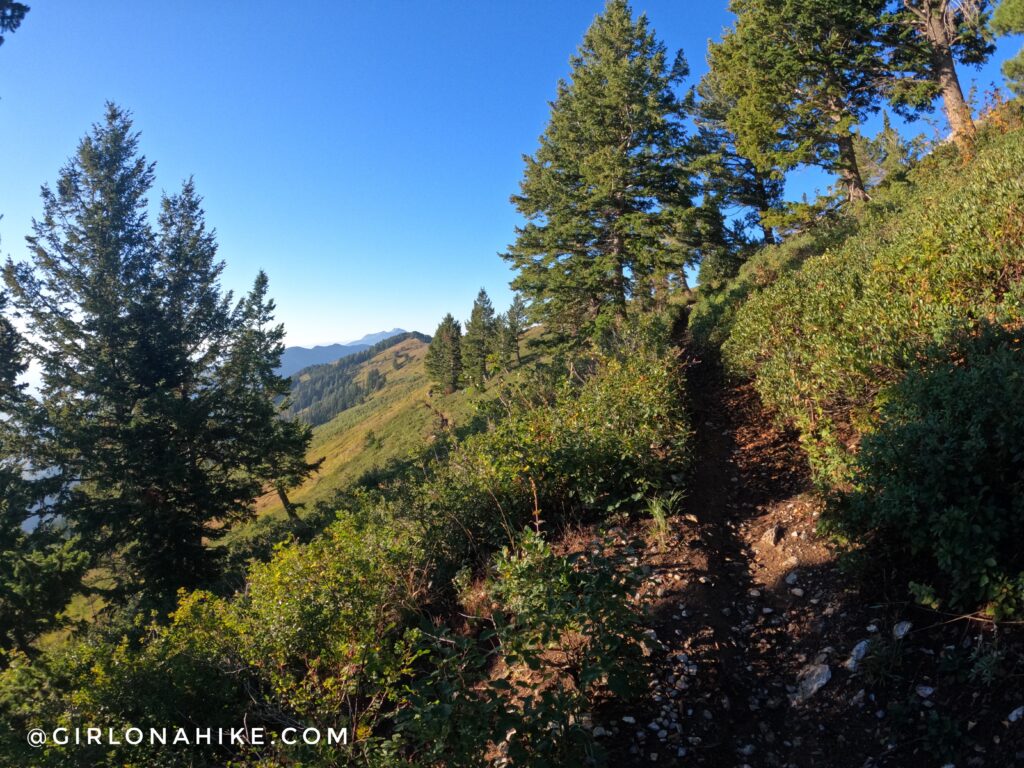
[[295, 359], [321, 392]]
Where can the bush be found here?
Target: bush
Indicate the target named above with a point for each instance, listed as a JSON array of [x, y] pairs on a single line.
[[825, 341], [594, 446], [941, 479], [563, 632]]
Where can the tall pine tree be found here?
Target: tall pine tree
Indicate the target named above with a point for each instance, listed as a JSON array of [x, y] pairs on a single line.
[[800, 74], [444, 357], [604, 195], [478, 342], [143, 425], [928, 38]]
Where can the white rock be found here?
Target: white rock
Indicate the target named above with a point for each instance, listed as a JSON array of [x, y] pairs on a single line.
[[1016, 715], [901, 629], [858, 653], [924, 691], [791, 578], [629, 720], [811, 680]]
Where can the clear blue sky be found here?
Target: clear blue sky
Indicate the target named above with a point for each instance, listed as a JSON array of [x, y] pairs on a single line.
[[361, 153]]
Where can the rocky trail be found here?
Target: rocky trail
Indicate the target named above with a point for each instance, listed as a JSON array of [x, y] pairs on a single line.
[[765, 654]]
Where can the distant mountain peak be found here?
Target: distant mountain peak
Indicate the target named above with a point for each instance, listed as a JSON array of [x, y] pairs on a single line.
[[373, 338], [295, 359]]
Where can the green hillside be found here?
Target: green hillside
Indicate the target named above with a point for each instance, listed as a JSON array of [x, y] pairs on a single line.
[[395, 422]]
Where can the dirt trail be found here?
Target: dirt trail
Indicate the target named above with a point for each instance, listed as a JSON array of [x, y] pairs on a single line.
[[749, 608], [736, 595]]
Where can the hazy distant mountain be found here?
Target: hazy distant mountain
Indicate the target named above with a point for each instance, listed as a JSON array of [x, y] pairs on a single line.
[[373, 338], [296, 358]]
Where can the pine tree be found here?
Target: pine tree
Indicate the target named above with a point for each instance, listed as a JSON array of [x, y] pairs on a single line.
[[478, 341], [799, 75], [731, 180], [1008, 20], [515, 325], [605, 192], [928, 38], [40, 564], [143, 425], [273, 449], [11, 15], [444, 357]]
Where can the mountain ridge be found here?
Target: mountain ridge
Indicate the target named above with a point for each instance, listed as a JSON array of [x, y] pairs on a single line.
[[294, 359]]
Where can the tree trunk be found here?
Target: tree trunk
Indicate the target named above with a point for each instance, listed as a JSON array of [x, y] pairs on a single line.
[[958, 113], [848, 170], [766, 232], [287, 503]]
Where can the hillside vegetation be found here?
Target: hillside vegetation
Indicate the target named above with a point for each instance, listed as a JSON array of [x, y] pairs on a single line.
[[621, 522], [877, 329]]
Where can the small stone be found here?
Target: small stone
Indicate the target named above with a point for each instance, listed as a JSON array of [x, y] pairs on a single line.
[[599, 732], [1016, 715], [857, 654], [773, 535], [629, 720], [791, 578], [811, 680], [924, 691], [796, 592], [900, 630]]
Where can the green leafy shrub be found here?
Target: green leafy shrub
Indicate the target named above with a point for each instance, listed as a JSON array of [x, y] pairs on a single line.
[[825, 341], [941, 479], [563, 633], [590, 446]]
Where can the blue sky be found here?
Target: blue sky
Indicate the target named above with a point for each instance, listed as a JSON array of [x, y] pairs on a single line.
[[361, 153]]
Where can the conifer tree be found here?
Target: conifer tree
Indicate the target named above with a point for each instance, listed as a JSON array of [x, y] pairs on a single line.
[[143, 423], [515, 325], [478, 341], [274, 449], [605, 192], [444, 357], [800, 74], [11, 15], [40, 564], [928, 38], [731, 180], [1008, 19]]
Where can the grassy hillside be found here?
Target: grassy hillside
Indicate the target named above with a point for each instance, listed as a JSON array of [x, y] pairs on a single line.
[[393, 423]]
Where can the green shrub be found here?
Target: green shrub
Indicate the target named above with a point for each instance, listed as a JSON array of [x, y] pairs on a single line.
[[597, 446], [825, 341], [562, 634], [941, 479]]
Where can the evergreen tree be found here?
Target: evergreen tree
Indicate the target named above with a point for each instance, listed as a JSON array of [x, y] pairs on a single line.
[[142, 420], [604, 194], [730, 179], [444, 357], [928, 38], [515, 325], [40, 565], [274, 449], [1009, 20], [478, 342], [799, 74], [11, 15]]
